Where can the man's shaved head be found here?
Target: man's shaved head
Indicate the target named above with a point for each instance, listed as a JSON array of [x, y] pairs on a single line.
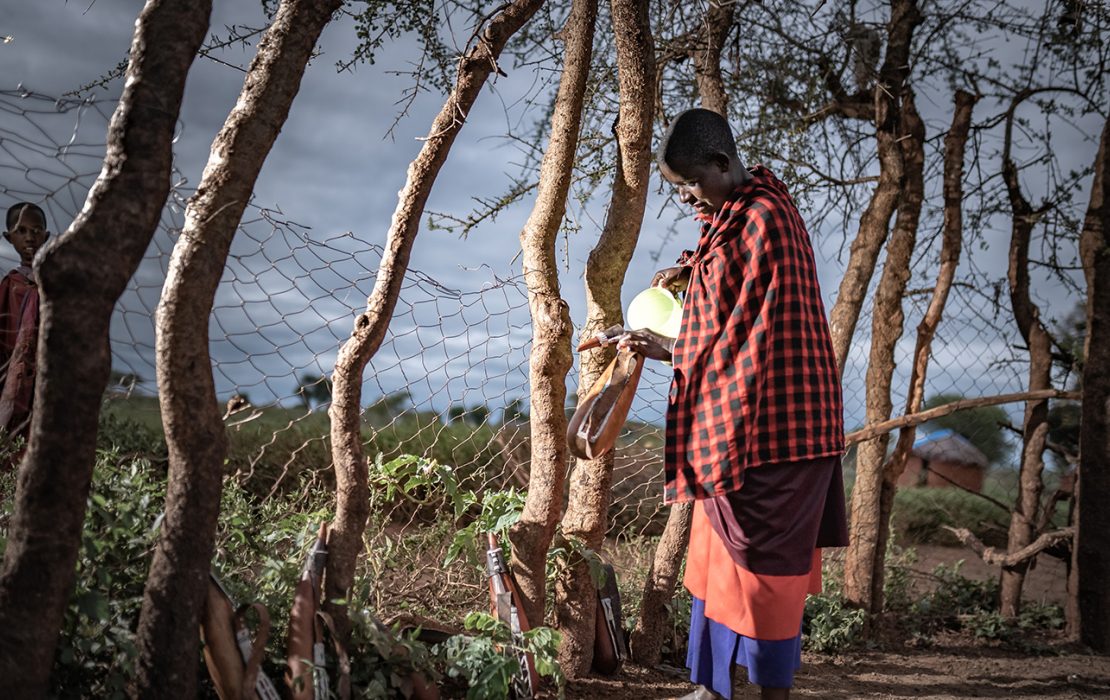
[[694, 138]]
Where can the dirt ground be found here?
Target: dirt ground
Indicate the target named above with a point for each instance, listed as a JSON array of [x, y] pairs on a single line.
[[1045, 583], [939, 674], [952, 669]]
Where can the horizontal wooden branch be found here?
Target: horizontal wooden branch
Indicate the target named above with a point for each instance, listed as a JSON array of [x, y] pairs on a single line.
[[912, 419], [1000, 557]]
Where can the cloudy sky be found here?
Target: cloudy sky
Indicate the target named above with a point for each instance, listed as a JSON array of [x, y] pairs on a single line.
[[297, 278]]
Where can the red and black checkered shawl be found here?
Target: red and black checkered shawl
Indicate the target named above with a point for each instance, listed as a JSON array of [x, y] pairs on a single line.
[[755, 379]]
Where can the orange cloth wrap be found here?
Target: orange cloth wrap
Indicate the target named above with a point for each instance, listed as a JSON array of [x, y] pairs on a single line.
[[754, 605]]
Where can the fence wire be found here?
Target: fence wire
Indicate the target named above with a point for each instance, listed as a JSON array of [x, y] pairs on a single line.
[[450, 382]]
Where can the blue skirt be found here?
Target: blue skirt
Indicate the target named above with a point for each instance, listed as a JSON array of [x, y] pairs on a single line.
[[715, 650]]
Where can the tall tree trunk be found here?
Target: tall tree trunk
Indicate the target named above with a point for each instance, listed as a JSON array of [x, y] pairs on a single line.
[[81, 274], [591, 481], [195, 436], [352, 490], [863, 565], [551, 358], [873, 225], [1092, 546], [952, 240], [1035, 426], [646, 642], [955, 143], [707, 55]]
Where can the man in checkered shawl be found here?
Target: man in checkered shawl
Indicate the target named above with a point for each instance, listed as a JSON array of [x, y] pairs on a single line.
[[754, 419]]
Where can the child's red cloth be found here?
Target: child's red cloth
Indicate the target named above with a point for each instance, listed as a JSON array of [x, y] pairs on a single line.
[[19, 324], [755, 377]]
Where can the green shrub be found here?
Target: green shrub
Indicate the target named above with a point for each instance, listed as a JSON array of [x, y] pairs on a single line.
[[127, 437], [282, 448], [830, 626], [96, 652], [260, 546], [487, 669], [920, 515]]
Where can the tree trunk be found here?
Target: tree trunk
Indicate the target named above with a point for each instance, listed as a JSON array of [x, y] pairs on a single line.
[[81, 274], [707, 55], [195, 437], [1092, 548], [871, 455], [871, 495], [352, 490], [662, 578], [550, 358], [1035, 427], [585, 518], [873, 225], [955, 143], [647, 639]]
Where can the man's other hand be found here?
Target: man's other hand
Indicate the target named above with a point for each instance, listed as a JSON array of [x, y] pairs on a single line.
[[647, 343], [675, 279]]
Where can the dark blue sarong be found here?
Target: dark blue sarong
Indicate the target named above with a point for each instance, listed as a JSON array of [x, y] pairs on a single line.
[[714, 649]]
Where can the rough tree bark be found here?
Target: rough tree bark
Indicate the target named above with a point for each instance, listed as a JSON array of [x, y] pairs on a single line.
[[1035, 426], [863, 564], [591, 481], [955, 143], [352, 491], [1092, 546], [874, 223], [551, 357], [195, 436], [952, 239], [81, 275], [646, 642], [706, 55]]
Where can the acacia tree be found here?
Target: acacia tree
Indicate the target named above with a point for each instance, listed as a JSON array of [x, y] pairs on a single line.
[[703, 46], [550, 359], [1092, 547], [882, 104], [952, 237], [475, 65], [863, 564], [1028, 317], [81, 274], [585, 519], [195, 437]]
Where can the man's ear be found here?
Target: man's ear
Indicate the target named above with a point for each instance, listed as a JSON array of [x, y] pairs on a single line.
[[722, 161]]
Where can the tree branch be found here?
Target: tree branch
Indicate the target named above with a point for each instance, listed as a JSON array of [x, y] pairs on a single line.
[[869, 432], [997, 557]]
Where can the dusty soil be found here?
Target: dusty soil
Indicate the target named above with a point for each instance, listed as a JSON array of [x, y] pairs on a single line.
[[953, 669], [940, 674], [1045, 583]]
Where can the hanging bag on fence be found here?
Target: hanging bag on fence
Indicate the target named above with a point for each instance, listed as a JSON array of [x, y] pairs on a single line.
[[596, 423], [233, 659]]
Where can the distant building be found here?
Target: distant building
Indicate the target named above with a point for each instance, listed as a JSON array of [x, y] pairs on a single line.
[[945, 458]]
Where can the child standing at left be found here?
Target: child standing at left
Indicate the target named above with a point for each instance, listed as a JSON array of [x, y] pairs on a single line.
[[19, 319]]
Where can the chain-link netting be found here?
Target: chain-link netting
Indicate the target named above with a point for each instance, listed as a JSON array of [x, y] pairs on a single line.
[[450, 382]]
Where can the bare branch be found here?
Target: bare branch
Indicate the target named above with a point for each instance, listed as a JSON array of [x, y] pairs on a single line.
[[1006, 560], [870, 432]]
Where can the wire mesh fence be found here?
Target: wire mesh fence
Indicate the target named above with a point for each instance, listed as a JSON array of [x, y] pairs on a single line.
[[450, 382]]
